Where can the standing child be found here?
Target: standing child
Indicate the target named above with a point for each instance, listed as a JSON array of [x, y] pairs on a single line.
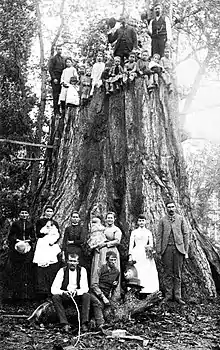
[[97, 71], [116, 74], [68, 72], [85, 86], [141, 252], [168, 66]]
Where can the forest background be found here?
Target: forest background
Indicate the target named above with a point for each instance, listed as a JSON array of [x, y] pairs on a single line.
[[29, 32]]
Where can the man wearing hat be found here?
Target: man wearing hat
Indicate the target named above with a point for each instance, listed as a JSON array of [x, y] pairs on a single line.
[[21, 239], [160, 31], [172, 246], [103, 287], [125, 39]]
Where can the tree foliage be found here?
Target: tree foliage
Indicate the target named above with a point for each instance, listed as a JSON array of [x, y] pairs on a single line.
[[17, 26]]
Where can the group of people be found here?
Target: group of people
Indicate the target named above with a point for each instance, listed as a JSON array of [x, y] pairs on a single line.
[[58, 267], [74, 85]]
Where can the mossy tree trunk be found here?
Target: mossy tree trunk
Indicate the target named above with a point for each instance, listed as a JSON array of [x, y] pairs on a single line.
[[123, 153]]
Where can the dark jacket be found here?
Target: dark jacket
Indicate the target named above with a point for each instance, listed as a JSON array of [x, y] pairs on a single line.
[[130, 37], [180, 233], [104, 281], [56, 66], [159, 27]]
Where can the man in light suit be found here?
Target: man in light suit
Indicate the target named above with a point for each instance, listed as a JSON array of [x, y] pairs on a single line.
[[172, 247]]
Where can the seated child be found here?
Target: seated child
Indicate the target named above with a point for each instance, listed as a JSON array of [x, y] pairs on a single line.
[[97, 235], [47, 245], [143, 67], [97, 71], [168, 66], [85, 86], [130, 68], [115, 76], [72, 96], [156, 69]]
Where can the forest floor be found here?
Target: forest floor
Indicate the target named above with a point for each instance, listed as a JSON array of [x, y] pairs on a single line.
[[193, 326]]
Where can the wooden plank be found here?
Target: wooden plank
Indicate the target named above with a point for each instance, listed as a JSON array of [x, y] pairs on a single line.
[[26, 143]]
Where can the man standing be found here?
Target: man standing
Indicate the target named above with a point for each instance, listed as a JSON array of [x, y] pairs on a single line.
[[56, 67], [125, 37], [103, 287], [172, 246], [71, 280], [160, 31]]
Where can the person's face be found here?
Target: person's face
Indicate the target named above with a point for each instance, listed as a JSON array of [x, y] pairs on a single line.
[[68, 63], [111, 261], [59, 51], [72, 263], [48, 213], [99, 58], [158, 10], [75, 219], [141, 222], [156, 59], [117, 61], [167, 53], [145, 56], [110, 219], [131, 58], [171, 208], [23, 214]]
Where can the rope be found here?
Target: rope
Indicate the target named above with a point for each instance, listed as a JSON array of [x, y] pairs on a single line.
[[72, 294]]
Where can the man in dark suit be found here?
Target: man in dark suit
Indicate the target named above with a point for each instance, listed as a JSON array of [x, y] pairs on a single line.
[[172, 247], [125, 37], [56, 67]]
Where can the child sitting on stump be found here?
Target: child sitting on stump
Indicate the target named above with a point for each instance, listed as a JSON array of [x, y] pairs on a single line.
[[156, 69], [115, 75], [168, 66], [143, 69], [72, 96], [130, 69]]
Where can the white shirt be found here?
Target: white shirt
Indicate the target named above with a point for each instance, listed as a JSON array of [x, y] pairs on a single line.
[[72, 286], [168, 27], [97, 71]]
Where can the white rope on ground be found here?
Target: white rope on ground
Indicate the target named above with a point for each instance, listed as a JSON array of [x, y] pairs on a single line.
[[78, 315]]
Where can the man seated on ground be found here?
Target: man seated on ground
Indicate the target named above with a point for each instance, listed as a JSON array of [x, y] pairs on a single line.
[[71, 280], [103, 287]]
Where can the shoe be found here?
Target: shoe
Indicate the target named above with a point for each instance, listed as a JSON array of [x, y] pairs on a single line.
[[84, 328], [180, 301], [66, 328]]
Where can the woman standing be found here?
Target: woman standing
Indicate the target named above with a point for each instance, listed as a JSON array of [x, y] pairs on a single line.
[[141, 252], [113, 238], [21, 240], [48, 266], [73, 239]]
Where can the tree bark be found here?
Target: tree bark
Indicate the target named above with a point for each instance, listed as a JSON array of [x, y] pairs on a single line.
[[123, 153]]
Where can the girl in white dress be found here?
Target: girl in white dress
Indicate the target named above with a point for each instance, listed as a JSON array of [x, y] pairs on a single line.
[[67, 74], [141, 252]]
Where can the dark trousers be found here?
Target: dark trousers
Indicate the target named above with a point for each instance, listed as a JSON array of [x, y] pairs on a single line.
[[45, 277], [98, 308], [173, 263], [158, 45], [56, 88], [62, 301]]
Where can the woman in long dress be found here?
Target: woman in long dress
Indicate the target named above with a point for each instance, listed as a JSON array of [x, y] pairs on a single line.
[[113, 238], [48, 264], [141, 252]]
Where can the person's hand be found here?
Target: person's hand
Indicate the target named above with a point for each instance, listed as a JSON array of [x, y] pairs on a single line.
[[130, 258], [186, 256], [55, 81], [70, 242], [105, 300], [115, 283], [141, 73]]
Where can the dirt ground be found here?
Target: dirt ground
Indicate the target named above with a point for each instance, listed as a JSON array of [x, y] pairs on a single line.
[[194, 326]]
